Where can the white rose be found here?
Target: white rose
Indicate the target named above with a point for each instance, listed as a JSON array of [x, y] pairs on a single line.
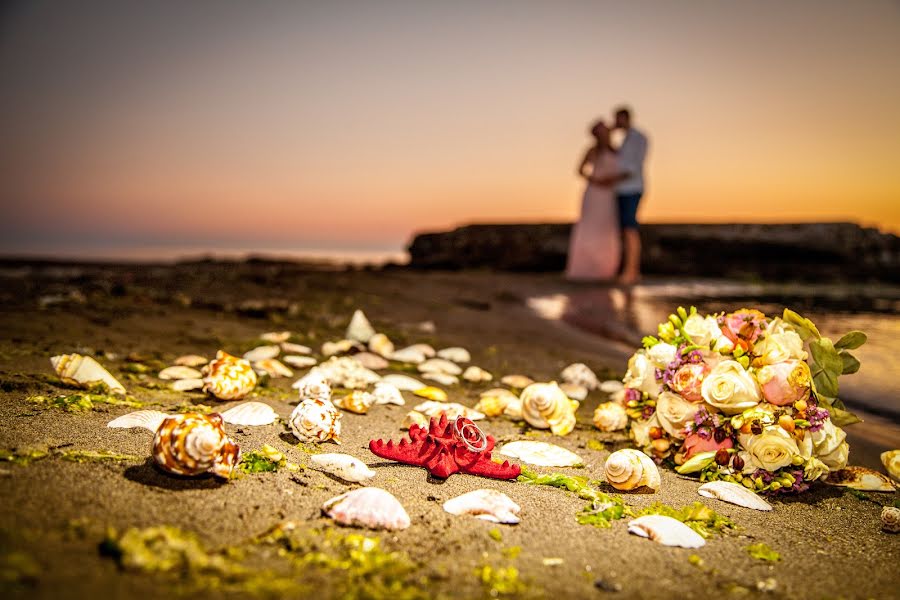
[[814, 469], [730, 388], [674, 412], [779, 347], [771, 450], [836, 459], [662, 354], [702, 330], [640, 430], [641, 374], [827, 439]]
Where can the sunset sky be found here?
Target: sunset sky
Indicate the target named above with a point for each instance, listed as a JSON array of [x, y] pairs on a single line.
[[355, 124]]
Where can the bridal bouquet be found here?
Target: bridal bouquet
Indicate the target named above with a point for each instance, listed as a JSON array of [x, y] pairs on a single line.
[[742, 397]]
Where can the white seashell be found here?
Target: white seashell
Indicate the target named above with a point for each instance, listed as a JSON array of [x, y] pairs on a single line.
[[455, 354], [344, 372], [403, 382], [476, 374], [275, 337], [186, 385], [541, 454], [439, 365], [273, 367], [313, 386], [610, 416], [611, 386], [733, 494], [631, 469], [408, 355], [380, 344], [299, 362], [891, 462], [84, 371], [425, 349], [860, 478], [494, 401], [385, 393], [442, 378], [371, 361], [356, 401], [545, 406], [666, 531], [191, 360], [451, 409], [193, 444], [289, 348], [148, 419], [340, 347], [519, 382], [228, 377], [359, 328], [250, 414], [513, 410], [316, 421], [489, 505], [179, 372], [262, 353], [580, 374], [574, 391], [890, 519], [414, 417], [369, 507], [344, 466]]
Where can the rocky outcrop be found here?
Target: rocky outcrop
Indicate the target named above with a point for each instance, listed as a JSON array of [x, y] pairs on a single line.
[[801, 251]]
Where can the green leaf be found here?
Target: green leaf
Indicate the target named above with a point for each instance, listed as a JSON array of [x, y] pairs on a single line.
[[851, 365], [805, 328], [841, 417], [826, 357], [851, 340], [826, 383]]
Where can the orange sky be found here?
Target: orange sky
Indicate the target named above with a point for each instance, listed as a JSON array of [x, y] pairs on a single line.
[[360, 123]]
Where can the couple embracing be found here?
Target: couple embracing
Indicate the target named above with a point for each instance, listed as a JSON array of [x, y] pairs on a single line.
[[608, 221]]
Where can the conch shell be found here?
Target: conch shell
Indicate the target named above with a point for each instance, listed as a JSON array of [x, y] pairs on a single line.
[[610, 416], [84, 371], [631, 469], [316, 421], [192, 444], [228, 377], [545, 406]]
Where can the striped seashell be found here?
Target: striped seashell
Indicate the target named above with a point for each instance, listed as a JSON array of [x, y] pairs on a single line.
[[545, 406], [356, 401], [250, 414], [83, 371], [631, 469], [228, 377], [369, 507], [193, 444], [148, 419], [316, 421], [610, 416]]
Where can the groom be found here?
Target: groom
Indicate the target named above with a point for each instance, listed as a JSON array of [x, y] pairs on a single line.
[[629, 190]]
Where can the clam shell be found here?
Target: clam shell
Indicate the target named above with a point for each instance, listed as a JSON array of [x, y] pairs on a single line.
[[289, 348], [148, 419], [381, 344], [403, 382], [489, 505], [545, 406], [228, 377], [299, 362], [476, 374], [359, 328], [631, 469], [344, 466], [262, 353], [574, 391], [455, 354], [346, 373], [611, 386], [186, 385], [192, 444], [191, 360], [541, 454], [273, 367], [431, 393], [251, 414], [520, 382], [890, 519], [451, 409], [275, 337], [733, 494], [356, 401], [316, 421], [369, 507], [610, 416], [891, 462], [414, 417], [439, 365], [666, 531], [408, 355], [442, 378], [371, 361], [385, 393], [179, 372], [861, 478], [580, 374], [313, 386], [84, 371]]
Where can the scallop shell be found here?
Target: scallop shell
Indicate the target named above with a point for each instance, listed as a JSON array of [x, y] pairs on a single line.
[[520, 382], [890, 519], [357, 402], [313, 386], [455, 354], [344, 466], [476, 374], [299, 362], [179, 372], [381, 344], [359, 328], [84, 371], [861, 478], [371, 361], [275, 337], [610, 416], [250, 414], [439, 365], [451, 409], [403, 382], [262, 353], [611, 386], [545, 406], [441, 378], [666, 531], [574, 391], [191, 360], [148, 419], [414, 417], [385, 393], [369, 507], [186, 385], [733, 494], [346, 373], [891, 462], [631, 469], [541, 454], [493, 402], [580, 374], [273, 367], [431, 393], [408, 355], [316, 421], [192, 444], [228, 377], [289, 348], [488, 505]]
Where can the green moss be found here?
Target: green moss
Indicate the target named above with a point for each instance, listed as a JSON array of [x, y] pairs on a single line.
[[83, 401], [83, 456], [596, 445], [308, 448], [762, 551], [696, 561], [603, 508], [500, 581], [22, 457], [495, 535], [266, 460], [512, 552], [697, 516]]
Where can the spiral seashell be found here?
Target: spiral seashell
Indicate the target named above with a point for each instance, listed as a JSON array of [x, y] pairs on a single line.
[[313, 386], [890, 519], [316, 421], [228, 377], [545, 406], [193, 444], [580, 374], [357, 402], [631, 469], [84, 371], [610, 416]]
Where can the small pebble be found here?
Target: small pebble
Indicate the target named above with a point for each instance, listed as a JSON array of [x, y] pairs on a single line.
[[607, 586]]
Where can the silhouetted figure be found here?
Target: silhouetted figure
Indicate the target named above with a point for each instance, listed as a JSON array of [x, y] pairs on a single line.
[[629, 190]]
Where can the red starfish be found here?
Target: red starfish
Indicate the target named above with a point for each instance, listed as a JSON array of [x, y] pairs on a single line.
[[445, 448]]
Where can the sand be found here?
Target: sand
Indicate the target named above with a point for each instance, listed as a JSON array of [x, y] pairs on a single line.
[[830, 541]]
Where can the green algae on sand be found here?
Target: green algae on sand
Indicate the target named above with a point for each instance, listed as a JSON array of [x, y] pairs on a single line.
[[83, 401]]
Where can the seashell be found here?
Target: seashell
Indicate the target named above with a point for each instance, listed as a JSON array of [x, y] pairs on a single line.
[[371, 361], [610, 416], [148, 419], [425, 349], [733, 494], [359, 328], [186, 385], [403, 383], [273, 367], [891, 462], [611, 386], [299, 362], [580, 374], [545, 406], [408, 355], [179, 372], [860, 478], [431, 393], [890, 519], [574, 391], [356, 402], [455, 354], [313, 386], [666, 531], [442, 378], [289, 348], [541, 454], [439, 365], [414, 417], [228, 377], [513, 410], [493, 402], [489, 505], [476, 374], [84, 371], [191, 360], [192, 444], [346, 373], [631, 469], [369, 507], [451, 409], [340, 347], [275, 337], [250, 414], [519, 382], [381, 344], [344, 466], [385, 393], [262, 353], [316, 421]]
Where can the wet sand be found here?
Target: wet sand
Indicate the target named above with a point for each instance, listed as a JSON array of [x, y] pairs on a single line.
[[56, 512]]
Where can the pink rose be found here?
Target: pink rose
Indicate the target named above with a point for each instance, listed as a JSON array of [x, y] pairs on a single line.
[[688, 380], [743, 327], [784, 383], [694, 444]]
